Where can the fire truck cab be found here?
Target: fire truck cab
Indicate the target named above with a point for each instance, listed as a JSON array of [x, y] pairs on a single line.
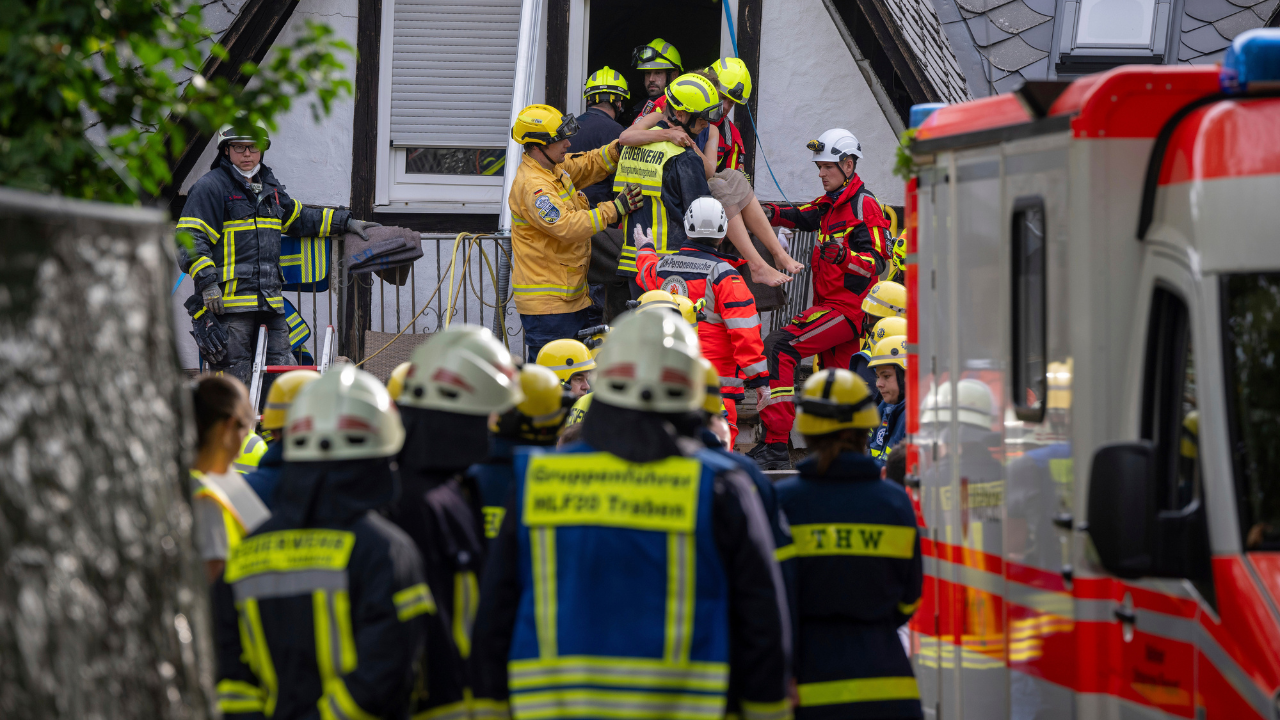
[[1094, 389]]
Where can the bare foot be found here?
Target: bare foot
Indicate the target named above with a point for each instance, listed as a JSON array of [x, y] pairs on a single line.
[[765, 275], [789, 265]]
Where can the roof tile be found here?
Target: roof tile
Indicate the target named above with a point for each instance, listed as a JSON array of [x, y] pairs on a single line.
[[1233, 25], [1265, 9], [981, 6], [1016, 17], [1009, 82], [1205, 40], [1039, 37], [1044, 7], [1038, 70], [985, 32], [1013, 54], [1209, 10], [1186, 54]]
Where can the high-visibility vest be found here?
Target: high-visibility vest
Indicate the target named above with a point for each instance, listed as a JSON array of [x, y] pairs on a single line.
[[231, 520], [251, 452], [642, 165]]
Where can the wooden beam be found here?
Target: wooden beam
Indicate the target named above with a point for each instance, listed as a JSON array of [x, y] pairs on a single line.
[[248, 39], [748, 27], [860, 59], [899, 52], [557, 79], [358, 296]]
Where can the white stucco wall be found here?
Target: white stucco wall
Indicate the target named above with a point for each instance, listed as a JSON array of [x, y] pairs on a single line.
[[809, 83]]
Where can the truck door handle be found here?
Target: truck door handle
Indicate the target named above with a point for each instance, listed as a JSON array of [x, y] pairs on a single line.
[[1063, 520], [1125, 615]]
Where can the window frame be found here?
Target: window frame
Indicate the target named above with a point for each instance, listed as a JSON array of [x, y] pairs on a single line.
[[1076, 57], [1018, 361]]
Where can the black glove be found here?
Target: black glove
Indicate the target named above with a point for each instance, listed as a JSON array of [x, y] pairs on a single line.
[[628, 200], [359, 226], [833, 252], [211, 339]]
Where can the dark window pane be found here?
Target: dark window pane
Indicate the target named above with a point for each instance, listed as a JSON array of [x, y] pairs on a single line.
[[1251, 355], [1169, 416], [454, 161], [1030, 382]]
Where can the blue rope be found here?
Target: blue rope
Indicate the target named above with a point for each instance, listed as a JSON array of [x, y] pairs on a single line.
[[733, 39], [177, 284]]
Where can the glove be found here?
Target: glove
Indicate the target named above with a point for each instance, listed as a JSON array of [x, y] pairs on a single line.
[[211, 339], [359, 226], [642, 238], [628, 200], [833, 252], [212, 297]]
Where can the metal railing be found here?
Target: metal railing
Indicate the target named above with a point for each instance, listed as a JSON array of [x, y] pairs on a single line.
[[799, 290]]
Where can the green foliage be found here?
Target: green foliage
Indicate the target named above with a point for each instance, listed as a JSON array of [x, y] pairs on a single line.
[[112, 70], [903, 166]]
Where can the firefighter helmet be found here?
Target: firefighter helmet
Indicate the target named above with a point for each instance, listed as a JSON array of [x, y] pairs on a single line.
[[835, 399], [579, 410], [658, 54], [705, 218], [888, 327], [1189, 447], [713, 403], [462, 369], [975, 404], [695, 95], [652, 363], [281, 395], [886, 299], [566, 358], [835, 145], [733, 79], [542, 125], [890, 351], [251, 452], [663, 300], [346, 414], [605, 81], [537, 418], [229, 134], [395, 383]]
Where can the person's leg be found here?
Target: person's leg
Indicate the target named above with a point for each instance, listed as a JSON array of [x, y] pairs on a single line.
[[810, 333], [761, 272], [242, 334], [542, 329], [731, 407], [279, 351], [754, 219]]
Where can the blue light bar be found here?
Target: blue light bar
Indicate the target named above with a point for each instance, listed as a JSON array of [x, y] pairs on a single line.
[[1252, 62], [921, 112]]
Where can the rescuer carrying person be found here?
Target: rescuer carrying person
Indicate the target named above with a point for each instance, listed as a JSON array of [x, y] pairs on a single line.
[[851, 252], [266, 478], [670, 176], [660, 62], [552, 224], [885, 327], [235, 214], [730, 332], [533, 422], [857, 552], [322, 610], [889, 361], [571, 361], [635, 574]]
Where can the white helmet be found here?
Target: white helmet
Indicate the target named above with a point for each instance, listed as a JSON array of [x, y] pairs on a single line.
[[835, 145], [653, 363], [705, 218], [976, 405], [228, 134], [344, 415], [462, 369]]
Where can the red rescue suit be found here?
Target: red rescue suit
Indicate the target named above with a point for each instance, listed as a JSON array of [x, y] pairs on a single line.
[[853, 231], [730, 332], [729, 150]]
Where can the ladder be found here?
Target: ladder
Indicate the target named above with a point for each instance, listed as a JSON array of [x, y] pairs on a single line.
[[261, 369]]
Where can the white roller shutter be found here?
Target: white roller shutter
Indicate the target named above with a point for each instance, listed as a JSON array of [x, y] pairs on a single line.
[[452, 70]]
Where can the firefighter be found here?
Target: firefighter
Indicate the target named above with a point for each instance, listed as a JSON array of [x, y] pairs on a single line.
[[251, 451], [225, 508], [534, 422], [458, 377], [235, 215], [571, 361], [552, 224], [604, 92], [886, 327], [730, 334], [889, 361], [323, 607], [641, 606], [859, 572], [660, 62], [852, 250], [266, 478], [578, 411], [887, 299], [670, 176]]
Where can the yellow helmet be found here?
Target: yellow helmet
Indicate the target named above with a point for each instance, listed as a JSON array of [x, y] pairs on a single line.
[[542, 125], [695, 95], [251, 452], [606, 81], [733, 79], [281, 396], [1060, 385], [835, 399], [714, 404], [566, 358], [1190, 445], [886, 299], [579, 410], [890, 351], [888, 327], [661, 299], [537, 418], [395, 383], [658, 54]]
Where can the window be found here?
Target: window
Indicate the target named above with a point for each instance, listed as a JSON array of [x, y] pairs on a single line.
[[1251, 365], [1029, 370], [1100, 34], [1170, 419], [454, 161]]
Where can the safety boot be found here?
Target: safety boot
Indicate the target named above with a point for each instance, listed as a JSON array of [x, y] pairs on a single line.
[[774, 456], [759, 448]]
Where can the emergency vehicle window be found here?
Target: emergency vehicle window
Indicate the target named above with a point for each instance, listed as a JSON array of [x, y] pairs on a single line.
[[1169, 416], [1251, 367], [1028, 374]]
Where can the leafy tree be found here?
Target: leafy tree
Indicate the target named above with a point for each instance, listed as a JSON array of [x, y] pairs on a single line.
[[95, 92]]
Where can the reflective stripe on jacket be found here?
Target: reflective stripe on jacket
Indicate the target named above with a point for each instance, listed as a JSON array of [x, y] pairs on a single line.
[[551, 229], [684, 179], [237, 235], [730, 333]]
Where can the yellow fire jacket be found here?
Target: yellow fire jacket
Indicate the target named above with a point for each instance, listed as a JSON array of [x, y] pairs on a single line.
[[551, 228]]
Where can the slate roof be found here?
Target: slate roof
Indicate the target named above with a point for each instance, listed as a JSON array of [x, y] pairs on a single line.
[[918, 23], [1209, 26]]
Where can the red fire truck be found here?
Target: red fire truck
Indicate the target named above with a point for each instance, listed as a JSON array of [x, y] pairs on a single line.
[[1094, 379]]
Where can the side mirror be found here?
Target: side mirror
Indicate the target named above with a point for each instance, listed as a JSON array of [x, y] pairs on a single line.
[[1122, 508]]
